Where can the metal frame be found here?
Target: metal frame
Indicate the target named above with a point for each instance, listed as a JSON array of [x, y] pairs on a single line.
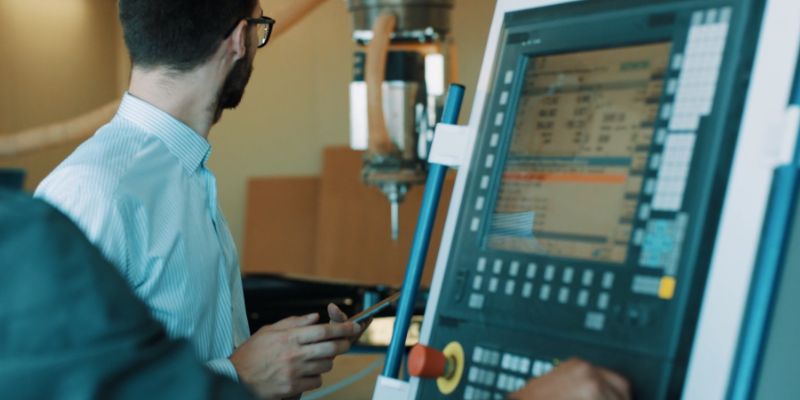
[[760, 148]]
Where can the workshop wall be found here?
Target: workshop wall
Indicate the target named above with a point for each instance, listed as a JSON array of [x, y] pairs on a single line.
[[58, 59]]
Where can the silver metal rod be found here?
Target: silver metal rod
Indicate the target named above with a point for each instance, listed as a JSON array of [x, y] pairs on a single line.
[[395, 210]]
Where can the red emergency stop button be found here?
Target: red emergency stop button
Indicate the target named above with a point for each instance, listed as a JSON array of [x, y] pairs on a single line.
[[426, 362]]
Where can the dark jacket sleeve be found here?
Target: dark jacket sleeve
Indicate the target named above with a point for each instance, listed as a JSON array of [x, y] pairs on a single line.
[[71, 328]]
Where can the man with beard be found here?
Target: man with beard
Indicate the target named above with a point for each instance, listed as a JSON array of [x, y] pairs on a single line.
[[141, 191]]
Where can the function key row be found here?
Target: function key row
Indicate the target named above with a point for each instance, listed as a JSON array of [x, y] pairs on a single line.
[[546, 292], [473, 393], [510, 362], [514, 370], [530, 270], [486, 357]]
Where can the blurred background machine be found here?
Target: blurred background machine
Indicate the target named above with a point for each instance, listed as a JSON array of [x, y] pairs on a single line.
[[404, 56], [612, 200], [400, 70]]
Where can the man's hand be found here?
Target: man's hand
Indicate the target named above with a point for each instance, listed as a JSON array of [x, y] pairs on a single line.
[[576, 380], [289, 357], [338, 316]]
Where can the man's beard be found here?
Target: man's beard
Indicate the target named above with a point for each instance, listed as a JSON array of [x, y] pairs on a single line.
[[233, 89]]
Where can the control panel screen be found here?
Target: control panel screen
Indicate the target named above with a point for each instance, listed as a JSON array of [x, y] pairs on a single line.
[[578, 149]]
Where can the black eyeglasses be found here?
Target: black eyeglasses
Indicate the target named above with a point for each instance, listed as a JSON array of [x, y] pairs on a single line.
[[265, 29]]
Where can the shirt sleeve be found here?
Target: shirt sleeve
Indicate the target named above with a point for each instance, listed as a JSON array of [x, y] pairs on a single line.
[[88, 197], [223, 366]]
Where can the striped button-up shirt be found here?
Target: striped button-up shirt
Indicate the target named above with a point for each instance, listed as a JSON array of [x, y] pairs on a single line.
[[140, 191]]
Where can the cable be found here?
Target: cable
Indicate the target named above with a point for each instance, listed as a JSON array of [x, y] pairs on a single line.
[[327, 391]]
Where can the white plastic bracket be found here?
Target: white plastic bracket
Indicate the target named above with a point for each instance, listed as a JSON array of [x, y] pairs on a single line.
[[390, 389], [449, 145]]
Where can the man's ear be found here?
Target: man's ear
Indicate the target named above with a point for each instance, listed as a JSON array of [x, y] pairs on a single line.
[[238, 42]]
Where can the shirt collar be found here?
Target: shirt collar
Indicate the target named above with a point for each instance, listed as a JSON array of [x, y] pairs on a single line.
[[182, 141]]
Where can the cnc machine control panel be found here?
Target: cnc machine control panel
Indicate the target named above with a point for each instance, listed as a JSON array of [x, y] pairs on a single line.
[[593, 192]]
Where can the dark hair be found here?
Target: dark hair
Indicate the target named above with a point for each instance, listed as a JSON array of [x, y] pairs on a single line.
[[178, 34]]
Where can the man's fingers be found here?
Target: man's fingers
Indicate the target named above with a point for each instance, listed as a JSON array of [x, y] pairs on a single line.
[[336, 314], [326, 350], [295, 322], [616, 382], [319, 333], [316, 367]]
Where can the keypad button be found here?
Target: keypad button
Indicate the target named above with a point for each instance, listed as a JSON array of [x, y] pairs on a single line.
[[502, 380], [527, 290], [583, 298], [479, 202], [473, 374], [477, 282], [608, 280], [510, 287], [525, 365], [515, 363], [530, 272], [476, 301], [544, 292], [490, 158], [477, 354], [644, 212], [587, 278], [495, 140], [482, 375], [563, 295], [495, 359], [487, 357], [638, 237], [549, 273], [513, 270], [538, 368], [647, 285], [498, 121], [569, 274], [493, 285], [497, 268], [481, 264], [485, 182], [595, 321], [506, 362], [489, 378], [602, 301], [469, 393], [548, 366], [504, 98], [509, 77]]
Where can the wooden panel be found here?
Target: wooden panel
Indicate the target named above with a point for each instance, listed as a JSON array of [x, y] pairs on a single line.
[[353, 237], [281, 225]]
